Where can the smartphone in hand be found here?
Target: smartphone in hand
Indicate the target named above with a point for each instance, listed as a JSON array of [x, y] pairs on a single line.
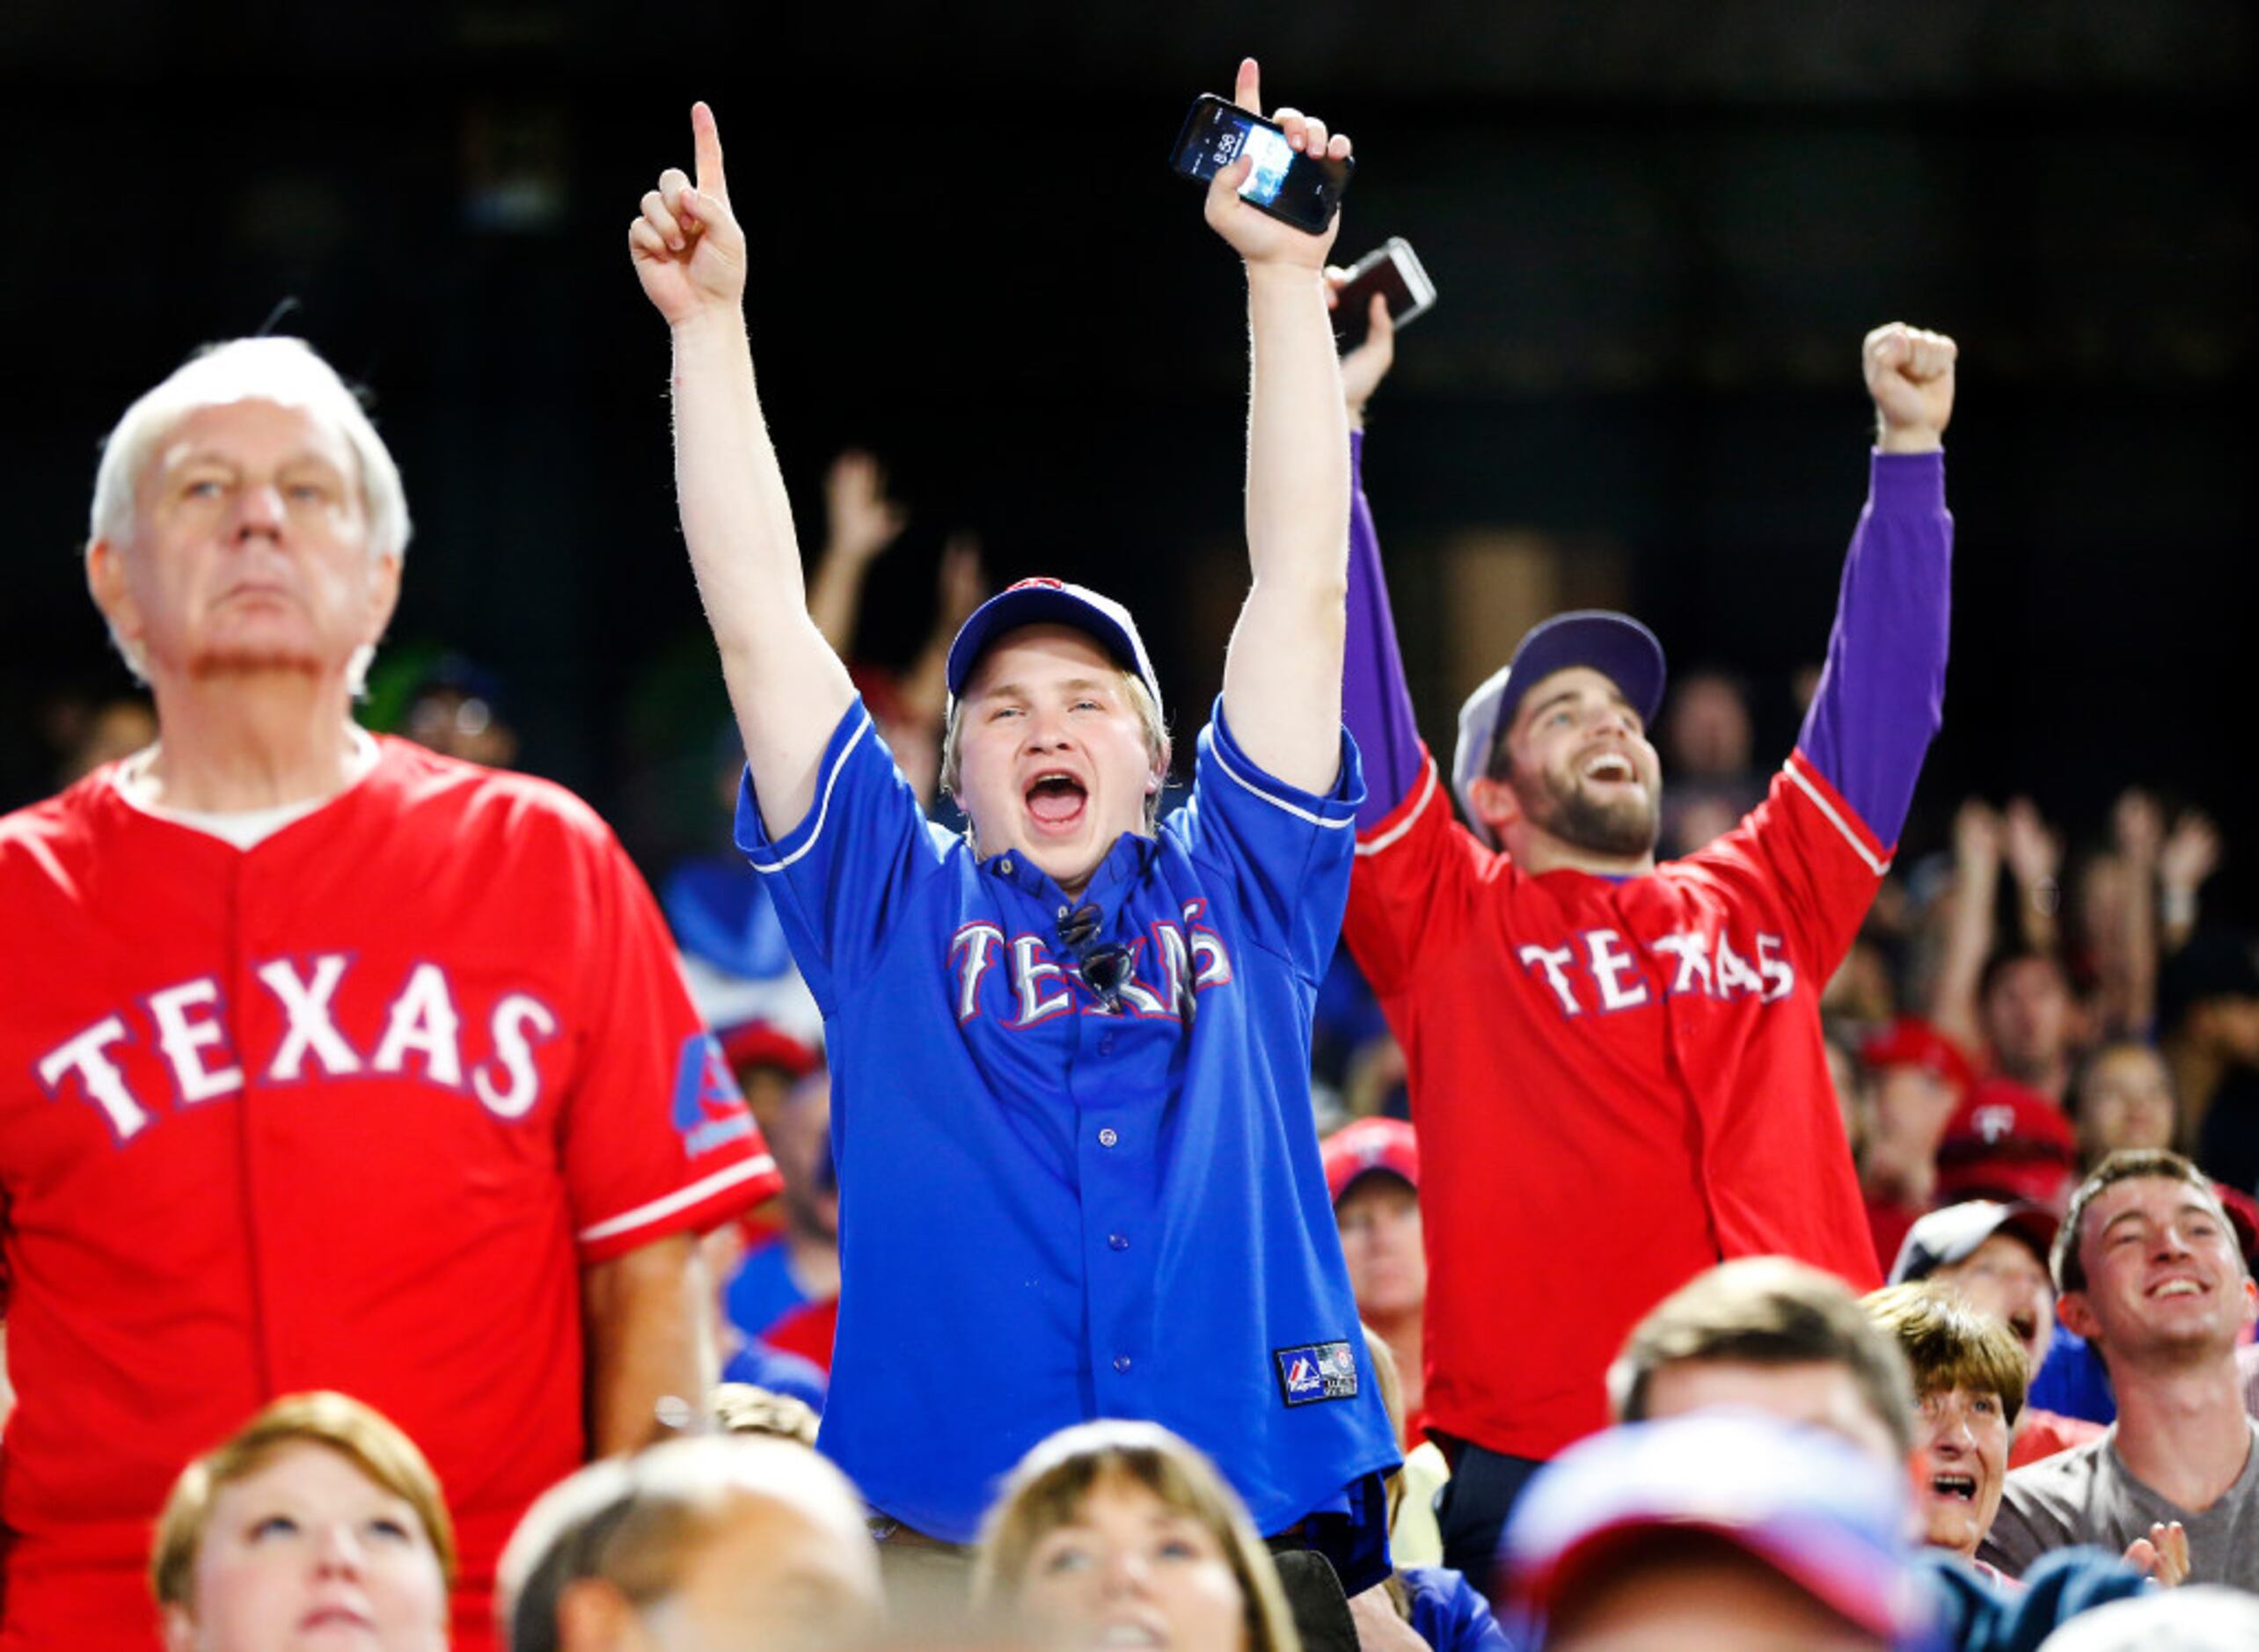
[[1393, 267], [1305, 191]]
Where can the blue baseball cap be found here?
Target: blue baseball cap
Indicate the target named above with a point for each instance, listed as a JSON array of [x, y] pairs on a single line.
[[1616, 645], [1050, 603], [1827, 1517]]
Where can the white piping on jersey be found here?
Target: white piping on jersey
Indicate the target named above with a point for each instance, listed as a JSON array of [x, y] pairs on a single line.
[[1215, 751], [1412, 817], [823, 808], [1878, 866], [681, 1199]]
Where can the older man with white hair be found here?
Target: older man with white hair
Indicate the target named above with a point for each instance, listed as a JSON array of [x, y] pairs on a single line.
[[329, 1061]]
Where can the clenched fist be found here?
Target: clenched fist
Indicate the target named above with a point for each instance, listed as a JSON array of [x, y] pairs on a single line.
[[1910, 376]]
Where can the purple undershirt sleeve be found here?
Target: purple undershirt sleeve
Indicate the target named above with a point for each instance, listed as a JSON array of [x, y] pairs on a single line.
[[1376, 702], [1882, 694]]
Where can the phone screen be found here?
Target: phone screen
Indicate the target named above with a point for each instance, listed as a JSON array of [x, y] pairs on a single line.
[[1303, 191]]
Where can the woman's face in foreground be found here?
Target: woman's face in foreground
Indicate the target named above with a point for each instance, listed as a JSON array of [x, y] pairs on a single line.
[[1128, 1570], [308, 1552]]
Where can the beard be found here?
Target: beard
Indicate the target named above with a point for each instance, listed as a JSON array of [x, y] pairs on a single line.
[[1625, 826]]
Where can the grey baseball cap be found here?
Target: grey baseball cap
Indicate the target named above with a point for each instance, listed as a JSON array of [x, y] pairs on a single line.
[[1952, 1235], [1615, 645]]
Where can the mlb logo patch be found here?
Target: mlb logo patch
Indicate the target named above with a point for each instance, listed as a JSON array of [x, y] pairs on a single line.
[[1316, 1371]]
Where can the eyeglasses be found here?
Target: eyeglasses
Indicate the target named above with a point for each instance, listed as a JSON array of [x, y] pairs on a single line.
[[1101, 967]]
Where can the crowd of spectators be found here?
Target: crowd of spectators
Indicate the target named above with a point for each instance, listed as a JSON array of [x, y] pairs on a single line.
[[2039, 1124]]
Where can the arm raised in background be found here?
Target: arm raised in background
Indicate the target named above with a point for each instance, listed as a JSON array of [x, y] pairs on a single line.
[[859, 521], [1283, 676], [1376, 699], [787, 687], [1882, 694]]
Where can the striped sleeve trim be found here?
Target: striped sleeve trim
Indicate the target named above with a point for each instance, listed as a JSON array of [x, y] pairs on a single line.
[[1388, 833], [1838, 813], [822, 806], [681, 1199]]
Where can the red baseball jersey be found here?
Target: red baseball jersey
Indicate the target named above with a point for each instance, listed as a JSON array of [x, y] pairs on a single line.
[[351, 1108], [1631, 1077]]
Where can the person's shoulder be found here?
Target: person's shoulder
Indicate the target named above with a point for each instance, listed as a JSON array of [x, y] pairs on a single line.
[[2060, 1478], [46, 832], [414, 780]]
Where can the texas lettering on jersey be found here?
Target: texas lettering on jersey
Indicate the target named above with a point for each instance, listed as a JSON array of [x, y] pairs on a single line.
[[1168, 965], [1598, 971], [425, 1033]]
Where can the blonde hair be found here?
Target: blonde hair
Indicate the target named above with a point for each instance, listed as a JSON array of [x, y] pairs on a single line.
[[1149, 721], [1048, 1488], [286, 371], [337, 1423]]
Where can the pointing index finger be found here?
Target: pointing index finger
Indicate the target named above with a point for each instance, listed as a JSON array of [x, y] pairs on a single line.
[[705, 139], [1248, 92]]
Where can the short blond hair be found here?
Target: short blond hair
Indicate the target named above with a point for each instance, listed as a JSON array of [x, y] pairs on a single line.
[[360, 1434], [1047, 1490]]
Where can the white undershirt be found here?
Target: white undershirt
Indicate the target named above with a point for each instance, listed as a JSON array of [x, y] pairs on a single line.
[[244, 828]]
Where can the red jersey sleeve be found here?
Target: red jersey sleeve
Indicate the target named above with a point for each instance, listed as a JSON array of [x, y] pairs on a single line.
[[1409, 889], [1808, 848], [656, 1138]]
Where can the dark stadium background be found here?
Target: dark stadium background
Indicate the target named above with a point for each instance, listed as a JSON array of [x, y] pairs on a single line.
[[1658, 230]]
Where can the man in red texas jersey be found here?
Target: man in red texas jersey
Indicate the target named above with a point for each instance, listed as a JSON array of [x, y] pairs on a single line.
[[328, 1062], [1616, 1066]]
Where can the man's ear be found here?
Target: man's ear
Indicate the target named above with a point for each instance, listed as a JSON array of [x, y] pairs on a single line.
[[1495, 804], [593, 1616], [107, 585], [384, 591], [2072, 1313], [2250, 1300]]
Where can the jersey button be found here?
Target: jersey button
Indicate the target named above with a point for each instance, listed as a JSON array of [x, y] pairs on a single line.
[[1116, 1241], [1122, 1362], [1004, 866], [1107, 1137]]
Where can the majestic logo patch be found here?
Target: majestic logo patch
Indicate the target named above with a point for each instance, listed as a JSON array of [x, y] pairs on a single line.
[[1316, 1371], [708, 1109]]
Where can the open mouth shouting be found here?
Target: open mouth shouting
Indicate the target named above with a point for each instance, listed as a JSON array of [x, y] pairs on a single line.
[[1609, 767], [1056, 801], [1953, 1487]]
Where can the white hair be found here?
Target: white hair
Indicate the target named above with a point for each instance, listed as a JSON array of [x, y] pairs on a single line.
[[286, 371]]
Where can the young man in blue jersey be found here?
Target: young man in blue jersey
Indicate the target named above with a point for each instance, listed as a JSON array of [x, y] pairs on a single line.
[[1078, 1175]]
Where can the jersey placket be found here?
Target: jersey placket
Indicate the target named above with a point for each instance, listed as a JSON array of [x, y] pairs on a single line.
[[259, 1158], [1116, 1145]]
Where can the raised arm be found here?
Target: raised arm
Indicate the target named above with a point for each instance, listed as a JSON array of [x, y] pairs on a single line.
[[1883, 692], [788, 688], [859, 521], [1282, 676], [1376, 699]]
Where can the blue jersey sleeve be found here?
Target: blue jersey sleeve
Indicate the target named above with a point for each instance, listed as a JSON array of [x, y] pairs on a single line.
[[1286, 852], [840, 876]]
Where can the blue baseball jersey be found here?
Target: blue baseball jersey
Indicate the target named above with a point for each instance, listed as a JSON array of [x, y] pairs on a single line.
[[1050, 1212]]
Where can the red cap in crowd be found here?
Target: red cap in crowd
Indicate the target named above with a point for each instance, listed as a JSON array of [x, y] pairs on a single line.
[[2242, 1216], [1910, 1042], [758, 1044], [2010, 1142], [1370, 1144]]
